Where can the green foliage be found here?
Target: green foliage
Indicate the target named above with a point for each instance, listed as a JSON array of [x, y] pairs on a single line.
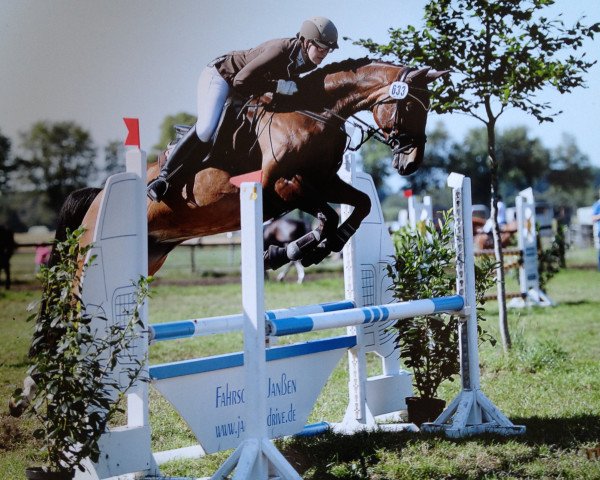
[[502, 50], [423, 267], [167, 132], [552, 259], [377, 162], [114, 158], [59, 159], [6, 165], [72, 362]]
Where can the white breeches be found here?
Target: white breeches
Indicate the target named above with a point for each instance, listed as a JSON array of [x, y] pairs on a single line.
[[212, 92]]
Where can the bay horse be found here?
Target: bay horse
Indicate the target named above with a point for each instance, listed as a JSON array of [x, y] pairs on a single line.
[[298, 144]]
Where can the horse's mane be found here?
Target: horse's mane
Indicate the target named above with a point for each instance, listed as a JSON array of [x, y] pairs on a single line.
[[348, 64], [344, 65], [313, 82]]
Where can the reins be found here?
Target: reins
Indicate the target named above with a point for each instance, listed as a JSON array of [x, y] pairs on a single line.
[[367, 131], [399, 142]]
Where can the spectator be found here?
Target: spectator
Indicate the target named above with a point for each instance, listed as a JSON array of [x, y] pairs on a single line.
[[42, 256], [596, 224], [487, 228]]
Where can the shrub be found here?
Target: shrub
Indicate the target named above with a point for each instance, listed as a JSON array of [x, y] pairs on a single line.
[[424, 267], [73, 356]]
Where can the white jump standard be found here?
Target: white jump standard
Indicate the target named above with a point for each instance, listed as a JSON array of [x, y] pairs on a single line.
[[471, 412]]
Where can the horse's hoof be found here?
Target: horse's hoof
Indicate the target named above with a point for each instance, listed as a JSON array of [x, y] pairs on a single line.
[[15, 408]]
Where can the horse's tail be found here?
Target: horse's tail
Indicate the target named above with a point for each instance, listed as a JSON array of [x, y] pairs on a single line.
[[71, 214]]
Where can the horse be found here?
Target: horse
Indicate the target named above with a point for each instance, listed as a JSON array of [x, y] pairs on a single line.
[[485, 241], [298, 144], [281, 233], [7, 249]]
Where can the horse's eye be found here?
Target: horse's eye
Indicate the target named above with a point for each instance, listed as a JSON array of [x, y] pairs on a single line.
[[410, 106]]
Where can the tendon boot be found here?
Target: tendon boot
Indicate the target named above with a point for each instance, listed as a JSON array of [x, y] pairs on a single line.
[[189, 146]]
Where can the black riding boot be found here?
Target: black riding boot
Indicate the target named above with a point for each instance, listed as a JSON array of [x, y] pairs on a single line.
[[189, 146]]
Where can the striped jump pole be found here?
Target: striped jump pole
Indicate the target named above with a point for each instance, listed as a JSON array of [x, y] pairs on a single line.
[[199, 327], [364, 315]]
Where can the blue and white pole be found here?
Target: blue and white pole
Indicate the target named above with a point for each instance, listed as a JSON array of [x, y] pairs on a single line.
[[364, 315], [198, 327]]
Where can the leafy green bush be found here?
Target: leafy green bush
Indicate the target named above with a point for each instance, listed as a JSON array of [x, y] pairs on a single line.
[[552, 259], [72, 362], [424, 267]]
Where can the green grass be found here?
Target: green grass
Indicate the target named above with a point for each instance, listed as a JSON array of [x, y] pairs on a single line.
[[550, 382]]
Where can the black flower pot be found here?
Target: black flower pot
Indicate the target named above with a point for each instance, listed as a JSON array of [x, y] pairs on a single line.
[[38, 473], [421, 410]]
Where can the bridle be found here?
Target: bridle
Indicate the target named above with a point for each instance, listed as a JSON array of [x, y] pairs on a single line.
[[398, 140]]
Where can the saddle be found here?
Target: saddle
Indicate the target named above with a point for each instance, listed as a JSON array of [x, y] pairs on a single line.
[[234, 140]]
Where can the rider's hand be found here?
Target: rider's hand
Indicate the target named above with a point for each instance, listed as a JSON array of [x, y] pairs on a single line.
[[286, 87]]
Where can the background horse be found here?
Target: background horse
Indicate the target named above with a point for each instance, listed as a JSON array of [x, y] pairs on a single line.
[[485, 241], [298, 143], [281, 233], [7, 249]]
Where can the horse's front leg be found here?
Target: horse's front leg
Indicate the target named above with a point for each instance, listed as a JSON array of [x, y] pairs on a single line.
[[333, 241], [275, 257]]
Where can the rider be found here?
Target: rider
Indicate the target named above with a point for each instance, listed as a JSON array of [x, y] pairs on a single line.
[[270, 67], [501, 217]]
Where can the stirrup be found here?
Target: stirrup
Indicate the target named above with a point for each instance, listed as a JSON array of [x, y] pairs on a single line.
[[157, 188]]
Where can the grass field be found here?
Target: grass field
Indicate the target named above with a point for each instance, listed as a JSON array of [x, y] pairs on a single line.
[[550, 382]]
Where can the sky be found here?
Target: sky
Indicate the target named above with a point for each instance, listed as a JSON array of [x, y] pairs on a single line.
[[94, 62]]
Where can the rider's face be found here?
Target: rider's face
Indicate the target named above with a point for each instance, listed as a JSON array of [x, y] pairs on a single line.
[[316, 54]]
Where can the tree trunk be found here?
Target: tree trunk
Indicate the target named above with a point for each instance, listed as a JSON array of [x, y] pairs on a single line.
[[502, 313]]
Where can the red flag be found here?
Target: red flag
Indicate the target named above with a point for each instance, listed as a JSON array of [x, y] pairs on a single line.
[[408, 193], [133, 132], [246, 177]]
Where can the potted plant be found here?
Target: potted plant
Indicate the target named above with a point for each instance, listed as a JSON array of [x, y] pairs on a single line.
[[424, 267], [72, 362]]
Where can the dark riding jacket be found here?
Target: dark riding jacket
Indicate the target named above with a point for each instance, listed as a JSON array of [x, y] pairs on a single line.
[[256, 71]]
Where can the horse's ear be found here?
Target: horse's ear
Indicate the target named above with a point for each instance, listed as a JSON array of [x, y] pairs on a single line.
[[418, 74], [427, 73], [435, 74]]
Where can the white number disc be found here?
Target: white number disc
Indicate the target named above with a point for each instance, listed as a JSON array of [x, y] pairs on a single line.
[[399, 90]]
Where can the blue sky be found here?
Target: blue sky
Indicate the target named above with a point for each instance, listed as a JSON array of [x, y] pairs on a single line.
[[97, 61]]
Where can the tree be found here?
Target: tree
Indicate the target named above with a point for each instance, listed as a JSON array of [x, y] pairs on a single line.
[[60, 159], [432, 173], [525, 161], [502, 53], [6, 165], [570, 174], [377, 162], [167, 132], [114, 154]]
